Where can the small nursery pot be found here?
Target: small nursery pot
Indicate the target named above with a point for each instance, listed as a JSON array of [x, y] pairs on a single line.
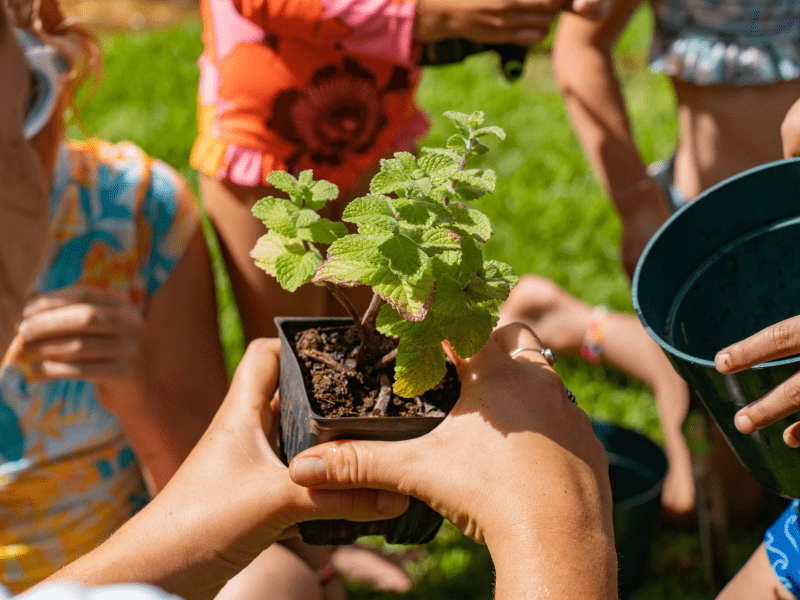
[[722, 268], [302, 428]]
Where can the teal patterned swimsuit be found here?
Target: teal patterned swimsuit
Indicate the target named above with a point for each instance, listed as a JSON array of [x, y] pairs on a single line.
[[727, 42]]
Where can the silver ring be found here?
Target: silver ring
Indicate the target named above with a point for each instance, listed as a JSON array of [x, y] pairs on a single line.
[[548, 354]]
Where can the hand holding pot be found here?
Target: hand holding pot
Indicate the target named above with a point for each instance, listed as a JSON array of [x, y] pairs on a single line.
[[778, 341], [515, 465], [230, 500]]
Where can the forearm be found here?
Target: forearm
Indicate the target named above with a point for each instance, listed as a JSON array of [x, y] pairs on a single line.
[[596, 106]]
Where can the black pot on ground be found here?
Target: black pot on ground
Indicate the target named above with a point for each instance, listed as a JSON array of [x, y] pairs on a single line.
[[302, 428]]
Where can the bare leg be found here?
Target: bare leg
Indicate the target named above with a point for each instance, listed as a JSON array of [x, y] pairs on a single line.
[[755, 581]]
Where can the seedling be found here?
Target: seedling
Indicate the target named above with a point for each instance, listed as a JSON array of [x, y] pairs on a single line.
[[417, 246]]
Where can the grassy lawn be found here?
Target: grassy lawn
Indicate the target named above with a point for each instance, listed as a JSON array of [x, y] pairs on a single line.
[[549, 214]]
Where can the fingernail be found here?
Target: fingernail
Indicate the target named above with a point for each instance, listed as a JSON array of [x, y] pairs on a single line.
[[744, 424], [721, 361], [389, 502], [309, 471]]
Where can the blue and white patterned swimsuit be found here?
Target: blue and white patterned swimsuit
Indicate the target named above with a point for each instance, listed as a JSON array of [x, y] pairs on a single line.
[[782, 541], [727, 42]]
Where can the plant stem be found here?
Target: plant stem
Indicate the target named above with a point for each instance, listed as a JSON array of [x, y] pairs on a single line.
[[365, 334], [323, 357], [385, 360], [372, 311], [383, 398]]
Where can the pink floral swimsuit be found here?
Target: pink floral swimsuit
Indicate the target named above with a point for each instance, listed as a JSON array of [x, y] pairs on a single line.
[[290, 85]]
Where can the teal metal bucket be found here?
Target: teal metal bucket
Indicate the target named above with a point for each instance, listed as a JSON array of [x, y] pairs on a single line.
[[724, 267], [637, 468]]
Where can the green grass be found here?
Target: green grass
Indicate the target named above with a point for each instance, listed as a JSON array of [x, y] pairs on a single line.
[[549, 214]]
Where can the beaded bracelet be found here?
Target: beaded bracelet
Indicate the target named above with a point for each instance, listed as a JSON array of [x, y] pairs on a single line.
[[593, 340]]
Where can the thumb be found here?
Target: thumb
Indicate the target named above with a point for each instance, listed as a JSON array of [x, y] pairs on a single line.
[[363, 464], [255, 381]]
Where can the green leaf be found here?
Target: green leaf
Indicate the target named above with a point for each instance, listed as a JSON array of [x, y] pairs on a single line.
[[439, 167], [422, 333], [440, 239], [418, 369], [457, 144], [476, 119], [373, 211], [353, 258], [460, 120], [483, 180], [322, 231], [450, 300], [494, 281], [269, 247], [468, 335], [306, 178], [472, 221], [412, 299], [293, 269], [322, 192], [305, 217], [494, 130], [277, 214], [444, 151], [286, 183], [406, 258]]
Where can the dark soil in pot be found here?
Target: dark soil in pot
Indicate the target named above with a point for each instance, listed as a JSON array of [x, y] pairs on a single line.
[[345, 402]]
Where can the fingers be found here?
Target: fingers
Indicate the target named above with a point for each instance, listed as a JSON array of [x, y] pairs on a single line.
[[518, 335], [80, 320], [76, 294], [781, 402], [791, 435], [256, 379], [594, 10], [352, 505], [348, 464], [778, 341]]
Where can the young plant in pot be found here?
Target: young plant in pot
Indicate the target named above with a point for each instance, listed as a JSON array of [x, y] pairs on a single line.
[[384, 375]]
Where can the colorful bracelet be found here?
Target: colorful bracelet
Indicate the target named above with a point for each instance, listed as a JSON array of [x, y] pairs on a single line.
[[593, 339]]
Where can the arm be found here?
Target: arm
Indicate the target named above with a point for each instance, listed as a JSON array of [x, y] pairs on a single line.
[[584, 68], [23, 194], [790, 132]]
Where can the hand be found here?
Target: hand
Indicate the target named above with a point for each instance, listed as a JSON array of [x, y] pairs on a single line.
[[231, 499], [790, 132], [82, 332], [523, 22], [513, 464], [778, 341], [641, 223]]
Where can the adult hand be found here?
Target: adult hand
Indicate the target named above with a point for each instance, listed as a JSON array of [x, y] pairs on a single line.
[[230, 500], [515, 465], [523, 22], [23, 198], [778, 341], [790, 132], [83, 332]]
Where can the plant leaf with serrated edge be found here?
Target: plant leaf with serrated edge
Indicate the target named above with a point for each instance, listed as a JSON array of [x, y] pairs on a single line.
[[306, 177], [305, 217], [418, 369], [411, 299], [439, 238], [277, 214], [439, 167], [372, 210], [293, 269], [494, 129], [352, 258], [494, 281], [467, 335], [446, 152], [406, 258], [323, 231], [322, 192], [268, 247], [457, 144], [479, 179], [286, 183], [422, 333], [476, 119], [450, 300], [460, 120], [472, 221], [388, 181]]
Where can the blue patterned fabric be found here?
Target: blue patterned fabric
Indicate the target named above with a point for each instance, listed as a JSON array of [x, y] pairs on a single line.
[[782, 541]]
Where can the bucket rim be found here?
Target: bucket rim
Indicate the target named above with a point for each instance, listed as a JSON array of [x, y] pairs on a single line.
[[666, 346]]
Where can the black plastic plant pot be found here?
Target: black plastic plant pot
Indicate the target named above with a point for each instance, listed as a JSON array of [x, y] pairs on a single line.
[[302, 428], [722, 268]]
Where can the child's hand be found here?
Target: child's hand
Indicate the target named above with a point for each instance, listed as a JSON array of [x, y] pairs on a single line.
[[778, 341], [83, 332], [790, 132]]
